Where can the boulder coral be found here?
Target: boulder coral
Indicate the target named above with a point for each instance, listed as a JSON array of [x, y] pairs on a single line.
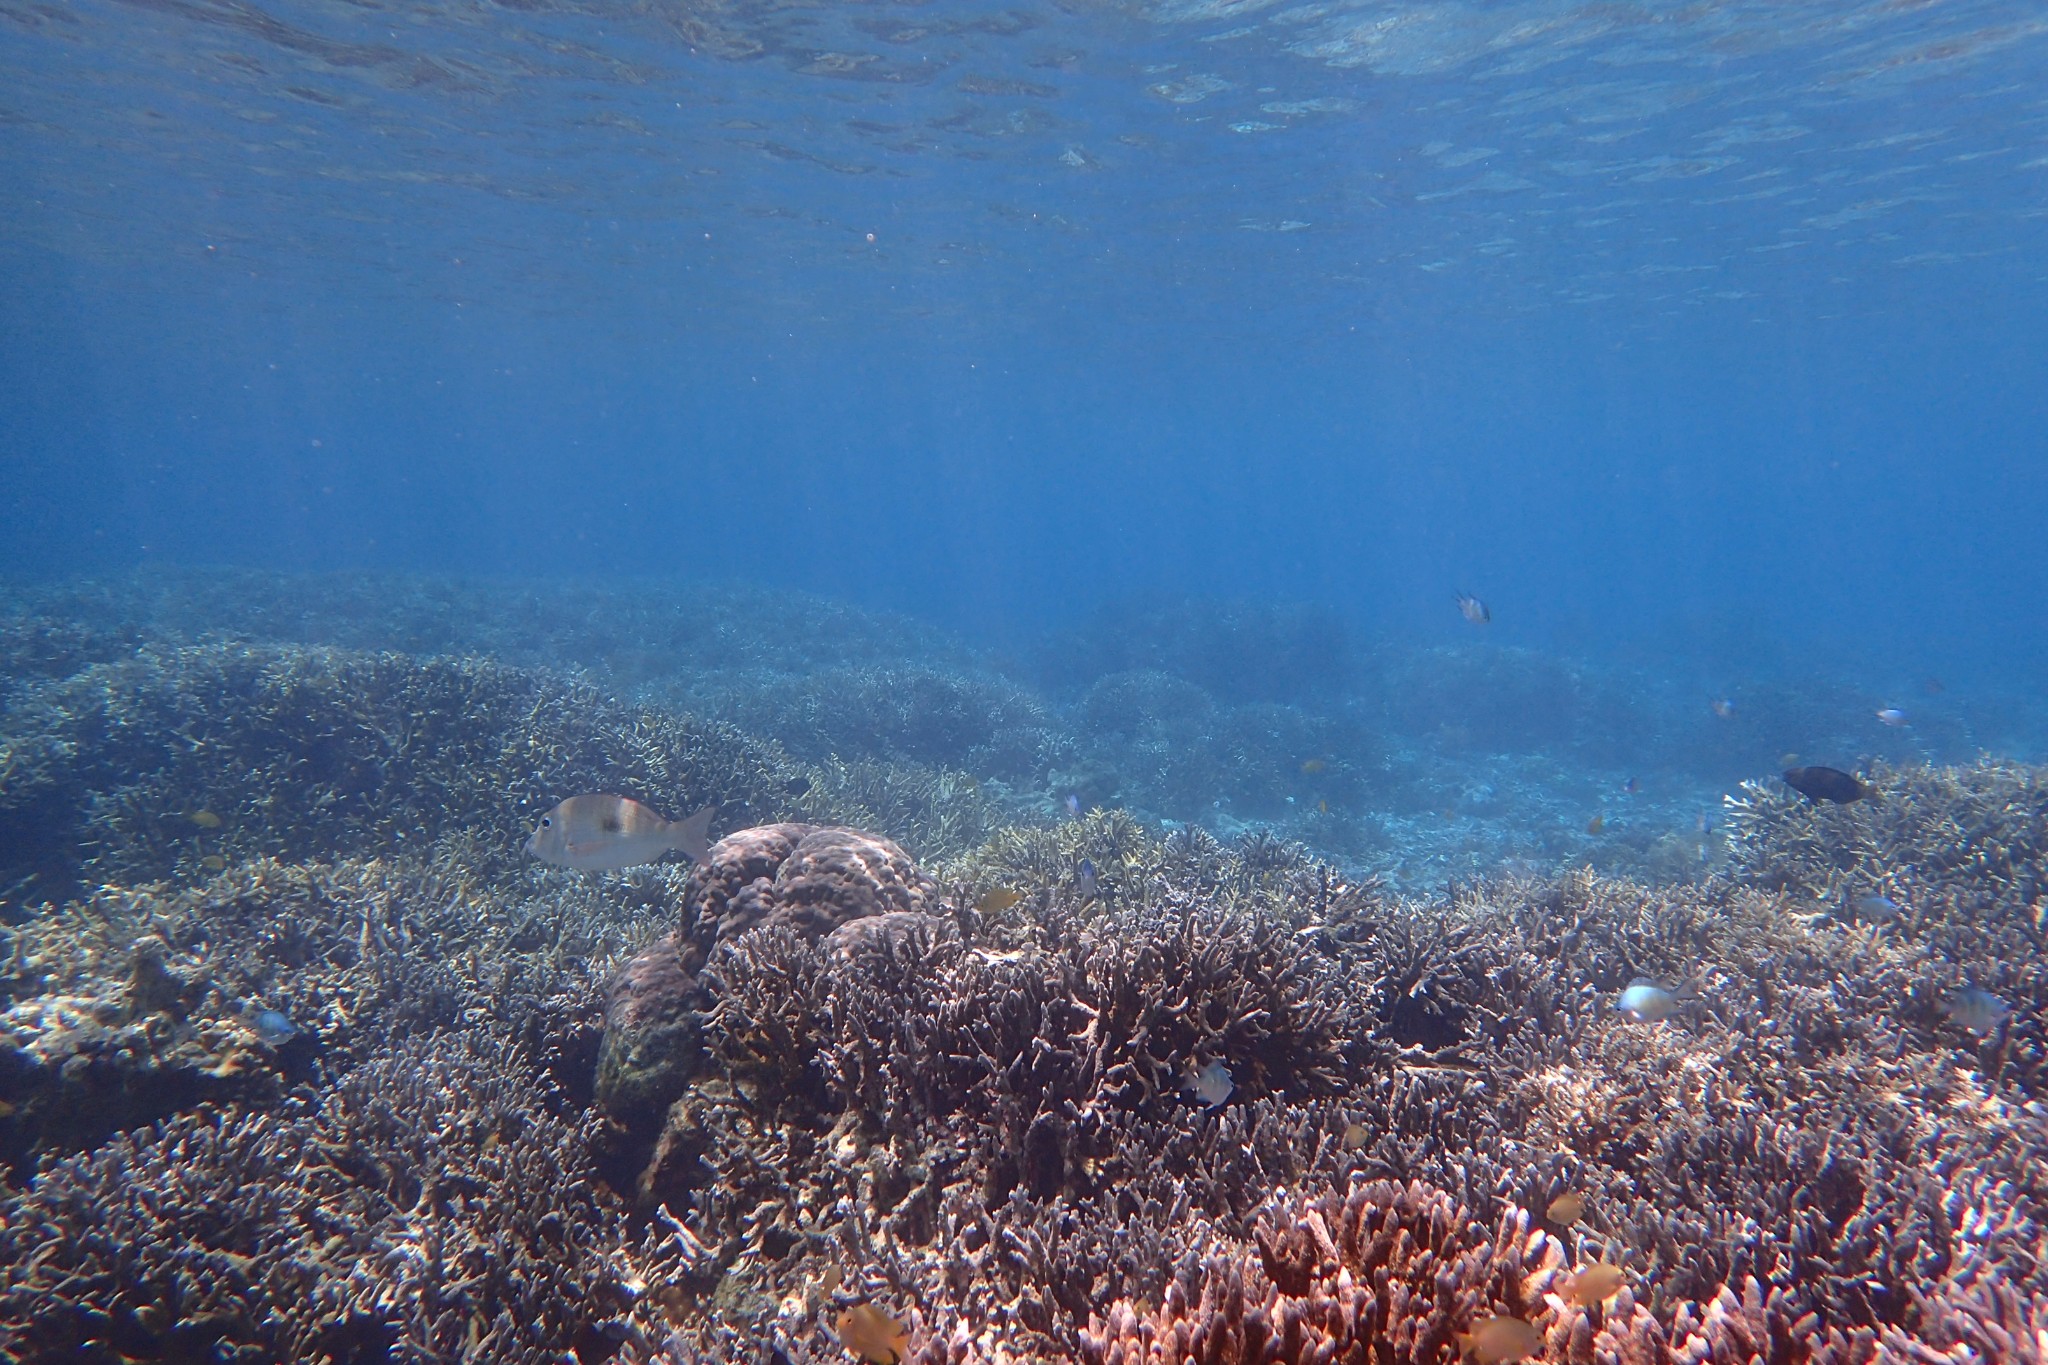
[[806, 881]]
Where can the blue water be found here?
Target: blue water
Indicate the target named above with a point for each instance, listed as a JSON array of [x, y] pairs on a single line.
[[1703, 334]]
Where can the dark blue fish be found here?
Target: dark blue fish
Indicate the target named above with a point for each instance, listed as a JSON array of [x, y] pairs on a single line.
[[1825, 784], [1084, 878], [1073, 803]]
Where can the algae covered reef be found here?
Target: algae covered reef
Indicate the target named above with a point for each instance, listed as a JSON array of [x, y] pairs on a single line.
[[301, 1059]]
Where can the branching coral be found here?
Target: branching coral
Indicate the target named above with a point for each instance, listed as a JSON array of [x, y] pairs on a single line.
[[132, 1004], [222, 752], [917, 714], [997, 1135], [1386, 1273], [1943, 841], [433, 1206]]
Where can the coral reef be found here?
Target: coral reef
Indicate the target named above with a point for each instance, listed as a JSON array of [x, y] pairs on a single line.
[[305, 1062], [804, 881], [976, 722], [999, 1143], [135, 1003], [1237, 651], [160, 762], [434, 1205]]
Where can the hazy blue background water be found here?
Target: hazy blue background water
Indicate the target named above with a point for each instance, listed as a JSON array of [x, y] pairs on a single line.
[[1699, 332]]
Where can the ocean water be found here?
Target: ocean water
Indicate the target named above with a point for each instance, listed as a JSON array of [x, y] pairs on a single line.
[[1057, 438]]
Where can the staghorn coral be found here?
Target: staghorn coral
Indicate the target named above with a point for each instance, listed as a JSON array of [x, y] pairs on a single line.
[[904, 714], [1389, 1272], [930, 1069], [634, 631], [991, 1139], [160, 762], [1944, 840], [136, 1003], [935, 813], [434, 1205]]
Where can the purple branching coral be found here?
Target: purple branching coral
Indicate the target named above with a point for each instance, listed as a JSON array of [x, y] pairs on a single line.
[[135, 1003], [434, 1206], [981, 1122]]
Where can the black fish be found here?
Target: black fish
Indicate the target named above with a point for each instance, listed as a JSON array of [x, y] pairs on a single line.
[[1825, 784]]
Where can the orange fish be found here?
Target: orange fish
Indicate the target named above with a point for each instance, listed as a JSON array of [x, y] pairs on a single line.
[[996, 900], [1596, 824], [1565, 1210], [601, 833], [1597, 1283], [872, 1335], [1498, 1340], [1313, 766]]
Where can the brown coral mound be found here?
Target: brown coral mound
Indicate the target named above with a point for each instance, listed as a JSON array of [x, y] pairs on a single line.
[[810, 878], [804, 880]]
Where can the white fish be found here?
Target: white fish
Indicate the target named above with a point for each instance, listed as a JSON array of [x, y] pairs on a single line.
[[1876, 909], [597, 832], [1646, 1002], [1211, 1085], [1977, 1010], [1892, 715]]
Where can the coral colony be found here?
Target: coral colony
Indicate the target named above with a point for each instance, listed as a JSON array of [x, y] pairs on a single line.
[[302, 1059]]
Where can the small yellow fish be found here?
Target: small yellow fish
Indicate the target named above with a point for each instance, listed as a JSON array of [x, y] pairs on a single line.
[[205, 819], [1498, 1340], [997, 899], [213, 862], [1323, 807], [1787, 760], [872, 1335], [601, 833], [1596, 824], [1724, 708], [1597, 1283], [1311, 767], [1355, 1135], [1565, 1210]]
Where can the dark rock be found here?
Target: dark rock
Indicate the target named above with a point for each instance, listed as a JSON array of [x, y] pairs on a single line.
[[651, 1035]]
